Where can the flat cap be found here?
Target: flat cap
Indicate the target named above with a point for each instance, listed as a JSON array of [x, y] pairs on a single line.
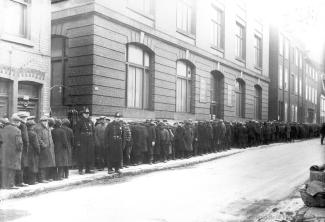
[[15, 117], [23, 114], [118, 115], [44, 118]]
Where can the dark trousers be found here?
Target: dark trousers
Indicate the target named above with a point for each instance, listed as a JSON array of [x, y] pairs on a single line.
[[127, 153], [31, 177], [66, 172], [48, 173], [322, 139]]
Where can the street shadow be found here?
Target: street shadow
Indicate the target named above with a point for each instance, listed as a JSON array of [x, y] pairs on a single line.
[[12, 214]]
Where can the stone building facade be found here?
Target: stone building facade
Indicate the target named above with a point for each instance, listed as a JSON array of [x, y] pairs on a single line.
[[25, 36], [294, 82], [170, 59]]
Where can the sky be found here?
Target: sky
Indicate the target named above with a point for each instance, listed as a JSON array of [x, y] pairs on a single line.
[[304, 19]]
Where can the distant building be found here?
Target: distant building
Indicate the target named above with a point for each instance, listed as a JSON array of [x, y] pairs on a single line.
[[173, 59], [25, 36], [294, 87]]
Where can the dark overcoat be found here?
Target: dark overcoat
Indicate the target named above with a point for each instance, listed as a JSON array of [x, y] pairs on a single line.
[[61, 147], [114, 142], [25, 138], [47, 156], [12, 146], [70, 138], [33, 151], [188, 137]]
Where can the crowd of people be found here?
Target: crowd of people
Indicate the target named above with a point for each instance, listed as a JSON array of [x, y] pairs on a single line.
[[42, 152]]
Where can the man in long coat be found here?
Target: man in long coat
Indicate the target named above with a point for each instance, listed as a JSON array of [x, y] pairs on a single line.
[[70, 137], [47, 156], [100, 143], [151, 140], [11, 152], [85, 142], [114, 143], [22, 175], [188, 139], [61, 148], [33, 152]]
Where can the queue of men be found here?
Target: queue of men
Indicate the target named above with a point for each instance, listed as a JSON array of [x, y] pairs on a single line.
[[39, 153]]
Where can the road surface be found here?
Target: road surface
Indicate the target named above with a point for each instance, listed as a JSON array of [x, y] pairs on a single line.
[[234, 188]]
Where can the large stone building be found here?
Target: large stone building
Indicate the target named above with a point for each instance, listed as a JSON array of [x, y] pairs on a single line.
[[294, 86], [171, 59], [25, 36]]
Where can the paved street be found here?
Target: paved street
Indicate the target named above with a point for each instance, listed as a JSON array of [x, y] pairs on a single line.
[[234, 188]]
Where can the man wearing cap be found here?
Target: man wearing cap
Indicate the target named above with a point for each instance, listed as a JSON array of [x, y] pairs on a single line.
[[114, 143], [85, 142], [22, 175], [11, 152], [99, 143], [47, 156]]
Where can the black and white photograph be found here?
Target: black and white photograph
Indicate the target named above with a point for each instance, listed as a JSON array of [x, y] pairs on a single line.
[[162, 110]]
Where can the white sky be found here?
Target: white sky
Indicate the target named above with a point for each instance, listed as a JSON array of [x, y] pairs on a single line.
[[304, 19]]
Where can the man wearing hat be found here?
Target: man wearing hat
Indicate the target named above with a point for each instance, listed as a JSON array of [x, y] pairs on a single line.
[[47, 156], [33, 152], [22, 175], [114, 143], [99, 143], [11, 152], [85, 142]]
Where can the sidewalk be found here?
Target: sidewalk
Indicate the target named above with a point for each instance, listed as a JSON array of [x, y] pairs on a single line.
[[76, 179]]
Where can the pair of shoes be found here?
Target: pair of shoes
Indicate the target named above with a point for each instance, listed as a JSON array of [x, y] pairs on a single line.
[[81, 172], [90, 172], [13, 188], [44, 181], [50, 180], [22, 185], [118, 171]]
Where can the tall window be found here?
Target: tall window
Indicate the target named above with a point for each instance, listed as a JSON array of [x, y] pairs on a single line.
[[296, 84], [183, 87], [286, 49], [58, 62], [15, 18], [280, 77], [240, 98], [143, 6], [258, 103], [186, 16], [240, 41], [281, 45], [218, 28], [138, 77], [285, 111], [286, 78], [258, 51]]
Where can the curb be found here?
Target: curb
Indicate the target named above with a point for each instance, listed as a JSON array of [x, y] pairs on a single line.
[[102, 175]]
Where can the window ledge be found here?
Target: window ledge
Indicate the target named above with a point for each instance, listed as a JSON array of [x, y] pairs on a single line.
[[192, 36], [18, 40], [217, 48], [151, 17], [258, 68], [240, 60]]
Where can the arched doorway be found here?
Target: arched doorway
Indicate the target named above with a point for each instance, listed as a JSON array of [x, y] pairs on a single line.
[[217, 94]]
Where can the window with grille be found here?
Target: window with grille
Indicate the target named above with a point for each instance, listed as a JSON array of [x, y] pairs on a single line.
[[240, 98], [138, 77], [183, 86]]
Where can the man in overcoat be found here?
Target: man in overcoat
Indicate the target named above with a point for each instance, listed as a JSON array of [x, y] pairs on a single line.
[[114, 143], [70, 137], [11, 152], [47, 156], [100, 143], [85, 142], [22, 175], [33, 152], [61, 148]]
